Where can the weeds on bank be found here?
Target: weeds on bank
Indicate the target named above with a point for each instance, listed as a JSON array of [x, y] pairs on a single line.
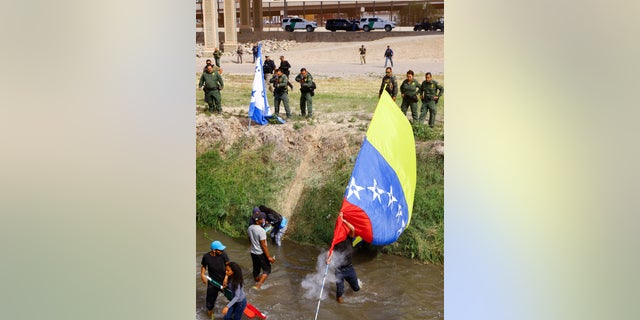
[[422, 132], [229, 186], [319, 205], [424, 238], [298, 125]]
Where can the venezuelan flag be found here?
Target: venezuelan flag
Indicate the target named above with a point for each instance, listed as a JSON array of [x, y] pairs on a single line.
[[378, 200]]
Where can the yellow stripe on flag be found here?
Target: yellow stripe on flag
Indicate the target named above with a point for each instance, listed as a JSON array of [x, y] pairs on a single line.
[[391, 134]]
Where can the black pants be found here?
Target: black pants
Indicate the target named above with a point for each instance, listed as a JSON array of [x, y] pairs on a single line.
[[212, 295]]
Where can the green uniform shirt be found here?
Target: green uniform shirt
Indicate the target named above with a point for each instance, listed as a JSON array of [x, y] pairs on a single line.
[[211, 81], [392, 86], [430, 89], [410, 88], [306, 85], [217, 54], [281, 85]]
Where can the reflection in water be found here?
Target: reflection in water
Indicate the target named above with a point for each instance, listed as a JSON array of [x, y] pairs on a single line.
[[391, 287]]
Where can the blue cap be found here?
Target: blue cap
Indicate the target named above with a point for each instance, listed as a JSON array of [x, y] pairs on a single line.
[[217, 245]]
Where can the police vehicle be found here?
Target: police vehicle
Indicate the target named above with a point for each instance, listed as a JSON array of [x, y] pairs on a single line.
[[368, 24], [291, 24]]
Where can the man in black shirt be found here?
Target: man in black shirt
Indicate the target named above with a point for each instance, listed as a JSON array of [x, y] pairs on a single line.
[[268, 67], [214, 262], [285, 66]]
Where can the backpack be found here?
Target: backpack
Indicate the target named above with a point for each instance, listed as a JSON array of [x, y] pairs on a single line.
[[272, 216], [312, 88]]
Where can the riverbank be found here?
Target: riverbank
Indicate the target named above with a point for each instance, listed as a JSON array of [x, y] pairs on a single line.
[[300, 168]]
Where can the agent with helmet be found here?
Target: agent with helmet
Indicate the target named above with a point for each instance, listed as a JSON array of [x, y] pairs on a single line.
[[215, 263]]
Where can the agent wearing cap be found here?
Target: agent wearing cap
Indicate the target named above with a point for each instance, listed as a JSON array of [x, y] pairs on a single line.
[[306, 93], [214, 262], [259, 251]]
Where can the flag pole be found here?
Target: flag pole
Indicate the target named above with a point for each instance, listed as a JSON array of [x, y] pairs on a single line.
[[321, 289]]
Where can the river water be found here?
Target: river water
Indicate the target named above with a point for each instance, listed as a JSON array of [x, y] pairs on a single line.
[[391, 287]]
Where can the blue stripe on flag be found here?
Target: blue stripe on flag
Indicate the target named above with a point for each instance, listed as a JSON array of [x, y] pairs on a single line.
[[375, 188]]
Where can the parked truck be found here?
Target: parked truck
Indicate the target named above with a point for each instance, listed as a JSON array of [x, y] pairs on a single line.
[[430, 26]]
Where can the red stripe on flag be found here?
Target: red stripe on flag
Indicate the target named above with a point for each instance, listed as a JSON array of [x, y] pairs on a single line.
[[358, 218]]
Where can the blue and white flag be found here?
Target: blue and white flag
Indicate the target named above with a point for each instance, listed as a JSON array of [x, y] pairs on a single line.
[[259, 107]]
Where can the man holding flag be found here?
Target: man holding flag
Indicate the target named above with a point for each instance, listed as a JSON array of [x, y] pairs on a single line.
[[378, 200], [345, 270]]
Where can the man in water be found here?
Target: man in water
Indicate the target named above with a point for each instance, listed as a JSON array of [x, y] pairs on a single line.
[[214, 262], [345, 270], [259, 251]]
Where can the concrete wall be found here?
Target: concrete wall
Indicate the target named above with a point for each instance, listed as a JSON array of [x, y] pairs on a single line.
[[303, 36]]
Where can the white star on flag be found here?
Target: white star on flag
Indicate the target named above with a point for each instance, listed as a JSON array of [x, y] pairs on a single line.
[[376, 191], [392, 199], [399, 214], [401, 228], [354, 188]]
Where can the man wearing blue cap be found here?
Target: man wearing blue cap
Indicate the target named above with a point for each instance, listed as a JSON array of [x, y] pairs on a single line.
[[214, 262]]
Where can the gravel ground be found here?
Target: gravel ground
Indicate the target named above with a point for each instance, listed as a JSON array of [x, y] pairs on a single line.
[[341, 59]]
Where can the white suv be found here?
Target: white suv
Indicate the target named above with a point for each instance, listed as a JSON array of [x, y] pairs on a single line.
[[368, 24], [291, 24]]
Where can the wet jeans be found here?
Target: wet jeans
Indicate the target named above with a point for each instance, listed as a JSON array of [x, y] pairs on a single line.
[[347, 273], [236, 310]]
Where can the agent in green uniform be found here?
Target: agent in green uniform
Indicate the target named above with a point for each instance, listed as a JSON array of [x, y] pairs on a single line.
[[211, 82], [216, 55], [430, 93], [281, 92], [306, 90], [409, 90], [389, 83]]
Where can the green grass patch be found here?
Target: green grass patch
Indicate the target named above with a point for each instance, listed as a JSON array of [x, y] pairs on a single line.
[[424, 238], [320, 204], [229, 186], [422, 132]]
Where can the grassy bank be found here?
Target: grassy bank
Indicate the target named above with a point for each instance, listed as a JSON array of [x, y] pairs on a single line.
[[229, 185]]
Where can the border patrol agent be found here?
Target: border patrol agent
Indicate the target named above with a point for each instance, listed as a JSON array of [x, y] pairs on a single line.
[[391, 85], [306, 90], [430, 93], [216, 56], [409, 90], [211, 82], [281, 92]]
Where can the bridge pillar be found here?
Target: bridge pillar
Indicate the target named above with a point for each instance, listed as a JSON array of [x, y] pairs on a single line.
[[230, 33], [257, 15], [210, 23], [245, 13]]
